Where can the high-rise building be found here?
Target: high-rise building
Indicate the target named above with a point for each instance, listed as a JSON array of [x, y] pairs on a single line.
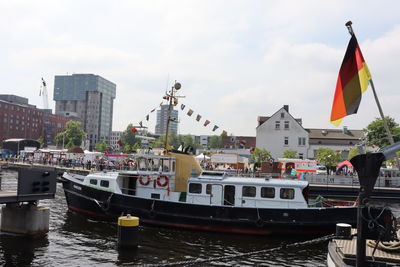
[[162, 118], [90, 98]]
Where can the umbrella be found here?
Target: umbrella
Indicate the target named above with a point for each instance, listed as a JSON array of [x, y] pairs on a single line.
[[344, 163]]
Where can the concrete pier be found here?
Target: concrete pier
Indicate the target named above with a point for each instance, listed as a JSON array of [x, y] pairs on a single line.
[[26, 219]]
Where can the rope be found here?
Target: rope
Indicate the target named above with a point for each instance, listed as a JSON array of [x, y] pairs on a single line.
[[239, 255]]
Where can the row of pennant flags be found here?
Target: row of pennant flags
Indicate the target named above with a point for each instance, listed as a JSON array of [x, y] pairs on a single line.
[[189, 113]]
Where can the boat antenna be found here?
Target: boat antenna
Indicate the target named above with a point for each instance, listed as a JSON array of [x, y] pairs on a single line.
[[173, 101]]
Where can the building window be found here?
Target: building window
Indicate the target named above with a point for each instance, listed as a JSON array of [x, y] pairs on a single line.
[[286, 141], [286, 125], [277, 125], [302, 141], [249, 191], [282, 115], [301, 155]]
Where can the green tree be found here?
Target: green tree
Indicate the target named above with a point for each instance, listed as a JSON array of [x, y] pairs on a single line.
[[129, 136], [328, 157], [376, 134], [259, 155], [102, 146], [41, 141], [290, 154], [72, 136], [135, 147], [353, 152], [126, 148], [215, 141], [159, 142]]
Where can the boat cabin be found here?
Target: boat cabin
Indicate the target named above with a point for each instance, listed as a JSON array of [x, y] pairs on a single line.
[[217, 188]]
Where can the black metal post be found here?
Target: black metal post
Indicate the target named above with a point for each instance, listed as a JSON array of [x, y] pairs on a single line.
[[361, 241]]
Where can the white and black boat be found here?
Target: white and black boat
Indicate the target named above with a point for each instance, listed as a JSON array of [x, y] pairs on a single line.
[[172, 190]]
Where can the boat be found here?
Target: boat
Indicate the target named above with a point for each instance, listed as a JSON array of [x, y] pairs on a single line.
[[172, 190]]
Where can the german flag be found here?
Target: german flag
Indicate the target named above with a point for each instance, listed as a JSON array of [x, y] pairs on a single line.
[[351, 83]]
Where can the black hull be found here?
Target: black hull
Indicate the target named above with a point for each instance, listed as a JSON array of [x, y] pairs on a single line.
[[109, 206]]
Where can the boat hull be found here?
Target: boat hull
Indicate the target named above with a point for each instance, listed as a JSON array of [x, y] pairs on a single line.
[[261, 221]]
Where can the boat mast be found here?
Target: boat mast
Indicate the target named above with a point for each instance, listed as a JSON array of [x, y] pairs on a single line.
[[173, 101]]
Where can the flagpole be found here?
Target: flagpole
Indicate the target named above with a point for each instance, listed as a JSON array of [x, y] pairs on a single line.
[[385, 125]]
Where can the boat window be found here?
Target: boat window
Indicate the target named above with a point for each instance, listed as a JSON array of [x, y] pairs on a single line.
[[166, 165], [142, 165], [267, 192], [208, 189], [287, 193], [154, 164], [93, 181], [195, 188], [249, 191], [104, 183], [229, 195]]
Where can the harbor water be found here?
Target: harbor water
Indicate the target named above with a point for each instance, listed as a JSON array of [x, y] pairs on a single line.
[[74, 240]]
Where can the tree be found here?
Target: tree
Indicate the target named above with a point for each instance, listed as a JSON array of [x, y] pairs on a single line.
[[290, 154], [102, 146], [259, 155], [215, 141], [328, 157], [129, 136], [41, 141], [353, 152], [72, 136], [376, 134]]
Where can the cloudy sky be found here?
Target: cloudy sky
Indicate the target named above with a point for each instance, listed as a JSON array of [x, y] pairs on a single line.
[[236, 60]]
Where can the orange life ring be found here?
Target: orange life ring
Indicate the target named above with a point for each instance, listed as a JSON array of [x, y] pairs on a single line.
[[166, 180], [144, 182]]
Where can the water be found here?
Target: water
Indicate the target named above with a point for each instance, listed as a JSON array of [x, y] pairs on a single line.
[[74, 240]]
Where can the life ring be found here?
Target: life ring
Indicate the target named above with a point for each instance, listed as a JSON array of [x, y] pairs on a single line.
[[166, 180], [144, 179]]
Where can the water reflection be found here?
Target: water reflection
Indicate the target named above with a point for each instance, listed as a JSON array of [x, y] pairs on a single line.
[[21, 251]]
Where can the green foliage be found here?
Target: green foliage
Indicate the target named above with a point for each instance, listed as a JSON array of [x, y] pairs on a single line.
[[376, 134], [128, 137], [136, 146], [328, 157], [72, 136], [101, 146], [215, 141], [159, 142], [259, 155], [126, 148], [290, 154], [353, 152], [41, 141]]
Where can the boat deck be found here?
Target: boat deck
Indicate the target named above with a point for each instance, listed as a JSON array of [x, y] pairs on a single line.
[[348, 249]]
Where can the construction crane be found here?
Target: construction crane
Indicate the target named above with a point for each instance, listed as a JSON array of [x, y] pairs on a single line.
[[43, 93]]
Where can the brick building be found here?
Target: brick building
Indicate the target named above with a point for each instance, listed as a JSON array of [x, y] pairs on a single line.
[[19, 119]]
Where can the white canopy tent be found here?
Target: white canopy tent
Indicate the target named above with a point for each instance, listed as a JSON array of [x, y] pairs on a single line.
[[202, 157]]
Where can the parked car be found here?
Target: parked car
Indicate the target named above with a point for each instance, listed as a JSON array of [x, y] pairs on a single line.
[[321, 170]]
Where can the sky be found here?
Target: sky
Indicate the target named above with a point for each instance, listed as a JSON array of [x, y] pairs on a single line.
[[236, 60]]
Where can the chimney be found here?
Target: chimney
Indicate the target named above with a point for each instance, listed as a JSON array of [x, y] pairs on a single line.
[[286, 107]]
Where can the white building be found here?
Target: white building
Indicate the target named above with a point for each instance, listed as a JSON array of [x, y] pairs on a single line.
[[115, 137], [281, 132]]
